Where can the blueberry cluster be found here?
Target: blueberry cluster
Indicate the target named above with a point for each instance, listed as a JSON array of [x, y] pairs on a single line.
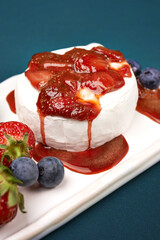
[[148, 78], [49, 171]]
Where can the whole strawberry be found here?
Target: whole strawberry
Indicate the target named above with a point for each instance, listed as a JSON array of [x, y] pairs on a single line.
[[16, 140], [10, 197]]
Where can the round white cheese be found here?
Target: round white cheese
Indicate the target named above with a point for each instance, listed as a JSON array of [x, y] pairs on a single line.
[[117, 111]]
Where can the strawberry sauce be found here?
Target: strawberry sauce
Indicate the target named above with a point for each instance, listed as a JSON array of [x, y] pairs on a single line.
[[70, 85], [42, 130], [62, 79], [149, 103], [11, 101], [90, 161]]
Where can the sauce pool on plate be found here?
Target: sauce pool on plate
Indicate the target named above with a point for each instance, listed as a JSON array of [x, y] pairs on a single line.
[[90, 161]]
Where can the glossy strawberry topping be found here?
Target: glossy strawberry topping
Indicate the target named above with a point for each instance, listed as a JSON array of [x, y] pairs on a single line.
[[149, 102], [71, 85]]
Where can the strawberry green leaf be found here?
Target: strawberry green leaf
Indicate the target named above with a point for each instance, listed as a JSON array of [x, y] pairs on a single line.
[[5, 169], [12, 197], [15, 148], [4, 187], [12, 179], [21, 202], [8, 184], [3, 146]]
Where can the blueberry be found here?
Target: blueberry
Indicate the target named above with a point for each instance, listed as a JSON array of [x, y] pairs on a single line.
[[51, 172], [26, 170], [135, 66], [150, 78]]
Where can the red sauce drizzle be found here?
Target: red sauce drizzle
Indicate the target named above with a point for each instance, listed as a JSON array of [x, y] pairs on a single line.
[[41, 117], [11, 101], [149, 103], [89, 134], [90, 161]]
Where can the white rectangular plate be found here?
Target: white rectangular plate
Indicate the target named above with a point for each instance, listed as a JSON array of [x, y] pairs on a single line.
[[49, 209]]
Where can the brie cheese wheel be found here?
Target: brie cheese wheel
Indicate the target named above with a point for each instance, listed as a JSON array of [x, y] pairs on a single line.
[[117, 111]]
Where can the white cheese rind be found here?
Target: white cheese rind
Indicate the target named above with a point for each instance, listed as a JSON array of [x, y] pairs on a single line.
[[117, 112]]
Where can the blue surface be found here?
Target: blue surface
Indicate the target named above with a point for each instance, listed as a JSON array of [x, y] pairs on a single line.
[[28, 27]]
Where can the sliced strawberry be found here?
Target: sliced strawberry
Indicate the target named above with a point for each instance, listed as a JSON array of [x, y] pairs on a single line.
[[16, 140], [38, 79], [56, 66], [36, 63], [68, 107], [112, 55], [61, 85], [90, 63], [99, 83], [125, 70], [103, 82]]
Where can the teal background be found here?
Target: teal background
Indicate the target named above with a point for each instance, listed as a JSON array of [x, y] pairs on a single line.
[[27, 27]]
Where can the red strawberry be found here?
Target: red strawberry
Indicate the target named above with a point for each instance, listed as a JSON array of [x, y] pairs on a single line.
[[90, 63], [112, 55], [7, 213], [69, 107], [103, 82], [16, 140], [38, 79], [10, 197], [56, 66], [36, 63]]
